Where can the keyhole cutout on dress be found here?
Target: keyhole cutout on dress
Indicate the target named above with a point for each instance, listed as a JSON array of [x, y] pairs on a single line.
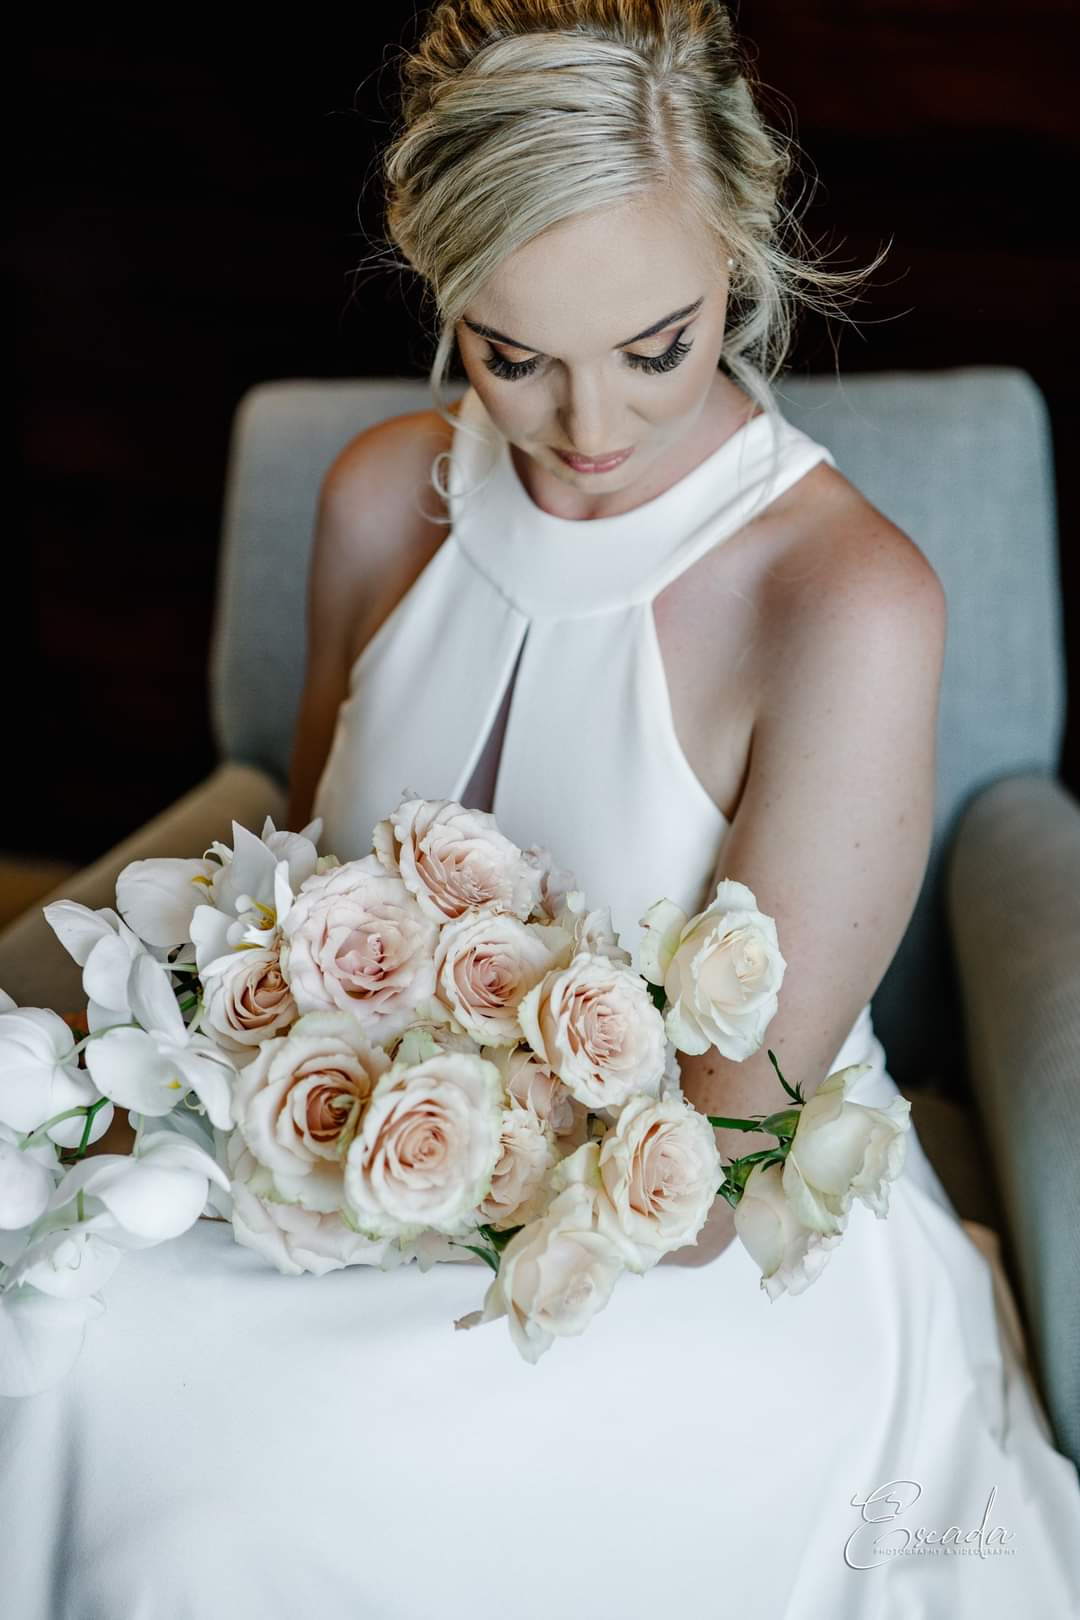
[[479, 792]]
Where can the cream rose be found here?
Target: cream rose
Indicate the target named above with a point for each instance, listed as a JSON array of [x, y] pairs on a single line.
[[721, 971], [246, 999], [293, 1239], [594, 1024], [844, 1150], [556, 884], [790, 1254], [563, 902], [519, 1190], [660, 1169], [455, 860], [426, 1037], [427, 1149], [485, 963], [530, 1084], [356, 940], [301, 1100], [554, 1275]]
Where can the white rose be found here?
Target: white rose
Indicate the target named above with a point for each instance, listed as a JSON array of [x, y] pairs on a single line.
[[554, 1275], [427, 1148], [301, 1101], [790, 1254], [721, 971], [594, 1023], [485, 963], [293, 1239], [455, 860], [519, 1190], [843, 1150], [356, 940], [660, 1169], [246, 999]]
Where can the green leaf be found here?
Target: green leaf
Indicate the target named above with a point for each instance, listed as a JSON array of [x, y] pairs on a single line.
[[781, 1124], [498, 1239], [657, 994], [734, 1124], [485, 1254]]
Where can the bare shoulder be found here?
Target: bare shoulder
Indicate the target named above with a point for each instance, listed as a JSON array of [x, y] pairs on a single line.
[[380, 517], [841, 568], [381, 479]]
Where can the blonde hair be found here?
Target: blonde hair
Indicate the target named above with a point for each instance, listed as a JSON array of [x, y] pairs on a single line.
[[519, 114]]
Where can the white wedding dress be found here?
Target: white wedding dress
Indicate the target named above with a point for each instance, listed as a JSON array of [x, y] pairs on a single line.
[[238, 1445]]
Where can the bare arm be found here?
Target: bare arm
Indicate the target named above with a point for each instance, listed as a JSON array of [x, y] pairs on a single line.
[[333, 598], [834, 828]]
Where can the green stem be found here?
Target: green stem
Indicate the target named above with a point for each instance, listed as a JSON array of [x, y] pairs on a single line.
[[69, 1113], [96, 1034]]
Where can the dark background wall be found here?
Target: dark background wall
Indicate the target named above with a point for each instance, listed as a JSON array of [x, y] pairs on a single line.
[[187, 217]]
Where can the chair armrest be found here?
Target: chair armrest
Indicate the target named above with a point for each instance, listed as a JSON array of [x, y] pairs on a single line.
[[34, 967], [1013, 906]]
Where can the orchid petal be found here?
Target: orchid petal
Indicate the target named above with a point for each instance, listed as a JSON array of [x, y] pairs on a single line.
[[127, 1066], [157, 897], [40, 1338], [78, 928], [153, 1000]]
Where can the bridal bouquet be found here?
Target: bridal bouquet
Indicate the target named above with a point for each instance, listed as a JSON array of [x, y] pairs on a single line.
[[435, 1052]]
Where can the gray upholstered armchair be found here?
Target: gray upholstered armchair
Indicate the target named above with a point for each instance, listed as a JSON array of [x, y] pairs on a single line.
[[980, 1011]]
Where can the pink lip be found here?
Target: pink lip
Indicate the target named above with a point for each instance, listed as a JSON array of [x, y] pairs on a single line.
[[595, 465]]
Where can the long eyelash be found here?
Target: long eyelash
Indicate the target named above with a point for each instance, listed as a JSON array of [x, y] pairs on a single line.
[[671, 357]]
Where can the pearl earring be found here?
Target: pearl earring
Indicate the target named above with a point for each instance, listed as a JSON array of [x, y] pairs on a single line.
[[730, 263]]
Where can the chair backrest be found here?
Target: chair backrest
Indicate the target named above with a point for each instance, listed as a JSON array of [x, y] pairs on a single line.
[[960, 459]]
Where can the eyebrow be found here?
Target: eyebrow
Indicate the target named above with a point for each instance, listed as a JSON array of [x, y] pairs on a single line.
[[650, 331]]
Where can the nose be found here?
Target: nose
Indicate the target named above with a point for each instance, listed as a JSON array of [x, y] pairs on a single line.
[[588, 419]]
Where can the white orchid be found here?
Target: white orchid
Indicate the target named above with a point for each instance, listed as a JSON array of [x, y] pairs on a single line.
[[152, 1068], [106, 949], [41, 1076], [68, 1262], [27, 1178], [134, 1200], [117, 1202]]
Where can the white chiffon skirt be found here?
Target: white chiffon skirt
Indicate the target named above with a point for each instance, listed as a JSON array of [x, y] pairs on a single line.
[[238, 1445]]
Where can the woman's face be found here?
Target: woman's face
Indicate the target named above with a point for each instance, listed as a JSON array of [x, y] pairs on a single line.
[[556, 348]]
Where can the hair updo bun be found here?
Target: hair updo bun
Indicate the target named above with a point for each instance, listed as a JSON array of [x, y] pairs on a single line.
[[518, 114]]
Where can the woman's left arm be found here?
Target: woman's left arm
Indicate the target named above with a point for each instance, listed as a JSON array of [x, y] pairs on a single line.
[[835, 823]]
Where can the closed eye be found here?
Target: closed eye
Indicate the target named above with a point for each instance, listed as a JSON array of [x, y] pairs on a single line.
[[672, 356]]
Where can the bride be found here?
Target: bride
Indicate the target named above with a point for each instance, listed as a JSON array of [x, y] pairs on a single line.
[[614, 598]]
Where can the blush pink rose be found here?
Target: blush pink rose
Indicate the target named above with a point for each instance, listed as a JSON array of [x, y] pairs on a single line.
[[246, 1000], [355, 940], [301, 1100], [455, 860], [519, 1187], [530, 1084], [293, 1239], [427, 1148], [660, 1170], [484, 964], [595, 1024]]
